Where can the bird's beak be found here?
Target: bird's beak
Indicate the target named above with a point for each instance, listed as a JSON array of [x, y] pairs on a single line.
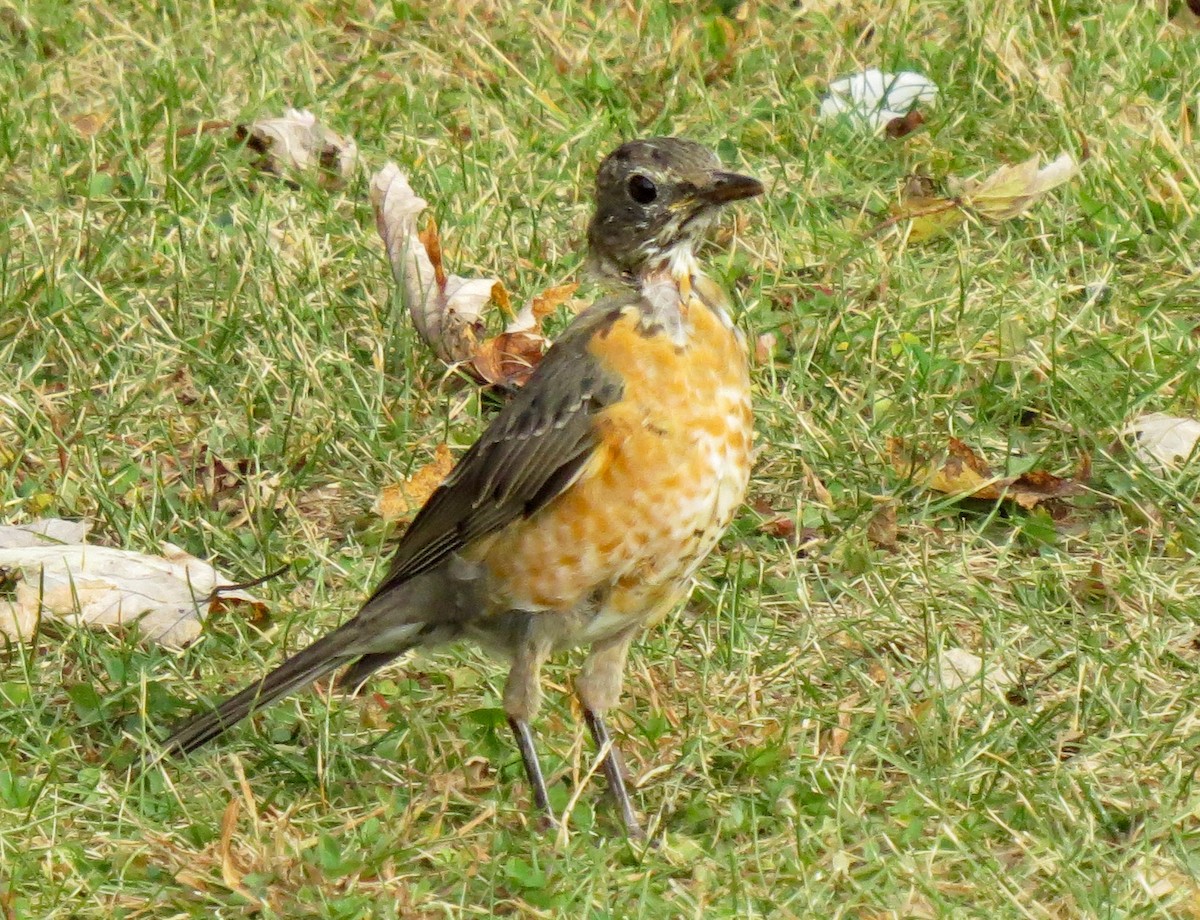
[[724, 187]]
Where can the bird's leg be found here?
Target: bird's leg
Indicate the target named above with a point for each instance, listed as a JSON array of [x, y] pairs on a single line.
[[599, 689], [533, 769], [614, 771], [522, 698]]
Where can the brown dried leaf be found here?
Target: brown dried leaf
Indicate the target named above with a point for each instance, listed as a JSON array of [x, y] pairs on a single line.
[[781, 526], [834, 741], [501, 299], [551, 299], [533, 313], [404, 499], [89, 124], [428, 235], [905, 124], [882, 530], [965, 474], [184, 386], [816, 488], [508, 360], [230, 874]]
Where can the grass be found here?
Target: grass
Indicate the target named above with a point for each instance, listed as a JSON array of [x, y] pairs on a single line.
[[162, 308]]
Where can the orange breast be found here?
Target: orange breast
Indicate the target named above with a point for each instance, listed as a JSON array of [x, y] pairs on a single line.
[[670, 473]]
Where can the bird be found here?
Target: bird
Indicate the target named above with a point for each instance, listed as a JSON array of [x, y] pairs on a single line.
[[580, 515]]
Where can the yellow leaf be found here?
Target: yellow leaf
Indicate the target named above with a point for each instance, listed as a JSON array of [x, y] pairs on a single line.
[[965, 474], [404, 499], [501, 299], [931, 217], [551, 299], [1011, 189], [928, 216]]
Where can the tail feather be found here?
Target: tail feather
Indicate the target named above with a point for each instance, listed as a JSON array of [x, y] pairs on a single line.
[[323, 656], [352, 679]]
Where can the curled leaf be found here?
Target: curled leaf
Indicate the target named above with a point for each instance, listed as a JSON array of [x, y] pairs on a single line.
[[446, 310], [964, 474], [1011, 189], [509, 358], [1004, 194], [297, 141], [902, 127], [531, 316], [43, 532]]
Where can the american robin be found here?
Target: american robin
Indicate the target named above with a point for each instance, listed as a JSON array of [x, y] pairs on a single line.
[[581, 513]]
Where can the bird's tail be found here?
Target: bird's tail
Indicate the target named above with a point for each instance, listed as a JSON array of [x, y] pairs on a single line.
[[323, 656]]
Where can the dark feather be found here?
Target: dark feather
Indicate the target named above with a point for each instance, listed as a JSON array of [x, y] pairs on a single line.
[[529, 454], [531, 451], [323, 656]]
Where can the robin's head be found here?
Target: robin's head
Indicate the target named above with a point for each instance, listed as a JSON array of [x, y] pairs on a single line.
[[654, 200]]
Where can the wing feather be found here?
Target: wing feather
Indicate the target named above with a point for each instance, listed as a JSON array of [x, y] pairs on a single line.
[[530, 453]]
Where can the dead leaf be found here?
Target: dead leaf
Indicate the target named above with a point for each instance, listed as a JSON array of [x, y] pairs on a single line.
[[89, 124], [184, 386], [45, 532], [404, 499], [780, 526], [297, 141], [965, 474], [1187, 16], [882, 529], [229, 871], [531, 316], [1161, 440], [1010, 190], [508, 359], [873, 99], [816, 488], [929, 217], [956, 668], [834, 741], [168, 596], [764, 347], [501, 299], [1006, 193], [905, 125], [446, 310]]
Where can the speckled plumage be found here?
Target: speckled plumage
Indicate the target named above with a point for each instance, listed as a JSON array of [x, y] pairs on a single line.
[[581, 513]]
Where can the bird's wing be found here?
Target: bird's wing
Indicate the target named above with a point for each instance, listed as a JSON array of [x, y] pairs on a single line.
[[529, 454]]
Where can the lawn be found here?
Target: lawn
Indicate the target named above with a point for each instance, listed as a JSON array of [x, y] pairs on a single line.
[[195, 352]]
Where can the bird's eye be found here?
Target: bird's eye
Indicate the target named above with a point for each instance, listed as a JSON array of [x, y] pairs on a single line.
[[641, 189]]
